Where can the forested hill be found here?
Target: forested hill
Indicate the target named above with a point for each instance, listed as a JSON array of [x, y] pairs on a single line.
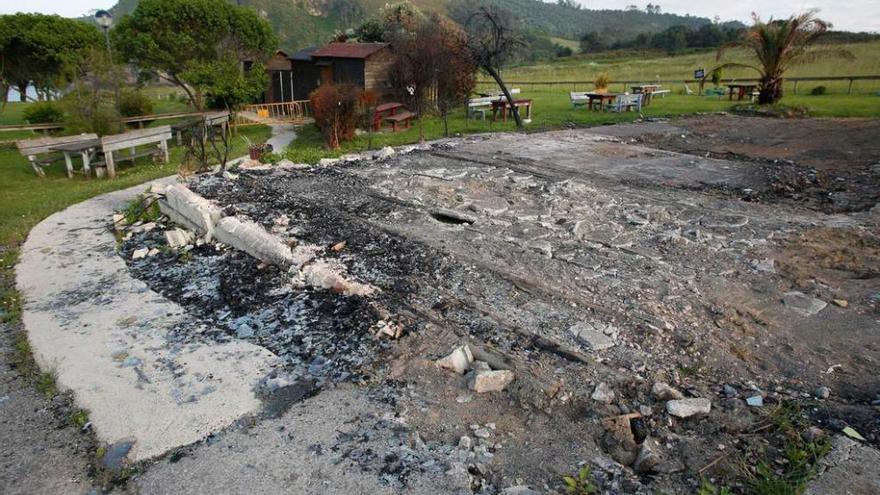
[[307, 22]]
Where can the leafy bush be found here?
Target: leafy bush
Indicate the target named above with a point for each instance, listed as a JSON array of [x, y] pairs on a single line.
[[602, 81], [44, 112], [335, 108], [134, 104], [819, 91], [717, 75]]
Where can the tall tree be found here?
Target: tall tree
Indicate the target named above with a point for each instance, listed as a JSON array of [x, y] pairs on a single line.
[[777, 45], [493, 42], [199, 45], [41, 50]]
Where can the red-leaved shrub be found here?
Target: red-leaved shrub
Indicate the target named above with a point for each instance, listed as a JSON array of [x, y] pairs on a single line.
[[335, 108]]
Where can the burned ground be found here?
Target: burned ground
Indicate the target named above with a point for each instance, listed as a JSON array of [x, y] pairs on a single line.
[[516, 244]]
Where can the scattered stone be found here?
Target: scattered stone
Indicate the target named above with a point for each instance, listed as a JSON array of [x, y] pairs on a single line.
[[685, 408], [755, 401], [324, 275], [115, 455], [852, 433], [519, 490], [542, 247], [813, 434], [465, 443], [482, 433], [482, 381], [596, 336], [730, 391], [153, 252], [339, 246], [459, 360], [822, 392], [663, 391], [178, 238], [803, 304], [385, 153], [650, 455], [843, 303], [603, 393], [646, 411], [140, 253]]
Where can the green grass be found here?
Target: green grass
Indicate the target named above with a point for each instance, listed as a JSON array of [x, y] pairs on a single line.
[[647, 67], [553, 110], [26, 199]]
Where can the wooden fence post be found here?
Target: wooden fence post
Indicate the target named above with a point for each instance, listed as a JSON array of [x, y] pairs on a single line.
[[795, 86], [849, 90]]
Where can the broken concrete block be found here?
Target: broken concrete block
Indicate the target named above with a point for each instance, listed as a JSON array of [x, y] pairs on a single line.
[[384, 153], [663, 391], [603, 393], [177, 238], [685, 408], [159, 189], [254, 240], [803, 304], [482, 380], [190, 210], [458, 361], [140, 253], [596, 336], [324, 275]]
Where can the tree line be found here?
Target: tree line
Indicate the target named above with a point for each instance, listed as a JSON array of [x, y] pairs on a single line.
[[674, 39]]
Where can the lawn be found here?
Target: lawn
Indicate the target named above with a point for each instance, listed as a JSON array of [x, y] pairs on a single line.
[[26, 199], [647, 67], [553, 110]]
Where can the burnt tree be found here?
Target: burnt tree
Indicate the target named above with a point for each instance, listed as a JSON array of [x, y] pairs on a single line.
[[493, 42]]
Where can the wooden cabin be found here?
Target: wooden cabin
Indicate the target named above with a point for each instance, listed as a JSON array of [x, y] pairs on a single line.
[[362, 64], [294, 77]]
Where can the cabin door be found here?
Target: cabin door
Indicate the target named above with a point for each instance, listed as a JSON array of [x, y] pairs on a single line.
[[326, 74]]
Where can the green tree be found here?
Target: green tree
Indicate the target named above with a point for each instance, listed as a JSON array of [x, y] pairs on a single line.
[[777, 45], [200, 46], [42, 50]]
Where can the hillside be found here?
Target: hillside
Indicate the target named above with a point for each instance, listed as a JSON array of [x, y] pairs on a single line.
[[307, 22]]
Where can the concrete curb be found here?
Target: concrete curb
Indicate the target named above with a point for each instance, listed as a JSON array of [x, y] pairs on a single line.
[[104, 334]]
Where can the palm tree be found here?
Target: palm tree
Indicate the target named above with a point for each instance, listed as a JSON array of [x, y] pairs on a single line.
[[778, 45]]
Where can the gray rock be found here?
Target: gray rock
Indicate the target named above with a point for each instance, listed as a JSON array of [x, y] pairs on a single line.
[[465, 443], [139, 254], [649, 457], [519, 490], [596, 336], [685, 408], [730, 392], [482, 381], [603, 393], [755, 401], [803, 304], [849, 469], [823, 392]]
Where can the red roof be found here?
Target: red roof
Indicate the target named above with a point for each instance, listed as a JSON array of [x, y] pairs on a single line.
[[349, 50]]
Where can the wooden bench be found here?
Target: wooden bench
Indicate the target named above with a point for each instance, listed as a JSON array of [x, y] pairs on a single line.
[[625, 103], [379, 113], [34, 148], [404, 117], [157, 136]]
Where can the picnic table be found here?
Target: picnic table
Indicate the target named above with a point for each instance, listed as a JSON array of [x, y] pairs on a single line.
[[86, 149], [380, 111], [741, 90], [601, 98], [503, 106], [649, 90]]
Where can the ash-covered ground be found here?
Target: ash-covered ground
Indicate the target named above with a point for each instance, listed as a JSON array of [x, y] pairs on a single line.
[[596, 270]]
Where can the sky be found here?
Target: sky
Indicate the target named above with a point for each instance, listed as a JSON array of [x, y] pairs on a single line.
[[849, 15]]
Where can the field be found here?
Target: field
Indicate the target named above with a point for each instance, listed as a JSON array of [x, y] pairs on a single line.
[[652, 66]]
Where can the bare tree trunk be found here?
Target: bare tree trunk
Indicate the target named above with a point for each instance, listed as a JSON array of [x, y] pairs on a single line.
[[497, 77], [192, 98]]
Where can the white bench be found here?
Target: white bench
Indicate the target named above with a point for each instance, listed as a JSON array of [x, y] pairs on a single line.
[[624, 103], [34, 148], [481, 106], [157, 136], [579, 98]]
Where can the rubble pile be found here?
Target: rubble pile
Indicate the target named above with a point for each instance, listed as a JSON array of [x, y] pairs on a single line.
[[524, 312]]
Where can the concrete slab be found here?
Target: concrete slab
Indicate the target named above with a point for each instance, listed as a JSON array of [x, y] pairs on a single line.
[[104, 335], [849, 469]]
